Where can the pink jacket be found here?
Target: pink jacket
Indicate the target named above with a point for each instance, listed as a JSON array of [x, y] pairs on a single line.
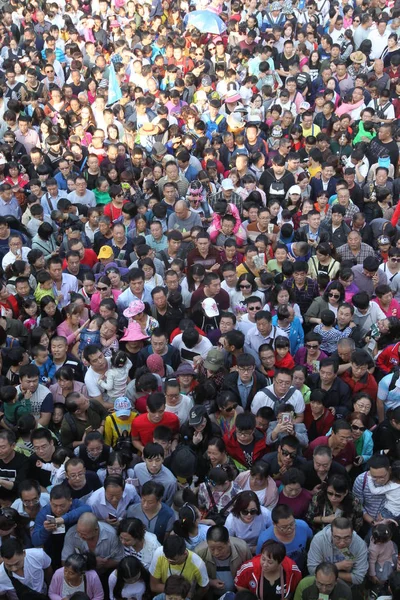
[[94, 589], [271, 495], [238, 230]]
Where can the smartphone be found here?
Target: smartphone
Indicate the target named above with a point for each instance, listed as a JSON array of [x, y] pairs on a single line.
[[111, 516], [271, 228], [323, 597], [286, 417], [50, 518]]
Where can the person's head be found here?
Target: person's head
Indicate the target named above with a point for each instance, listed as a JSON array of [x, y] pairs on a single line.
[[79, 563], [175, 550], [342, 532], [287, 451], [341, 433], [246, 507], [379, 469], [360, 360], [156, 407], [153, 456], [43, 443], [293, 481], [283, 519], [245, 426], [282, 381], [246, 365], [272, 555], [95, 358], [75, 472], [60, 500], [326, 576]]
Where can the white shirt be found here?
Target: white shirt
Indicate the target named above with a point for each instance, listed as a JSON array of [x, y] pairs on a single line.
[[36, 560], [254, 339], [88, 199], [10, 258], [187, 354], [249, 532], [379, 42], [182, 409], [91, 381], [261, 399], [389, 110]]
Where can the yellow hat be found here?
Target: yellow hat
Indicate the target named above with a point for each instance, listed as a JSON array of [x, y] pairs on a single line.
[[105, 252]]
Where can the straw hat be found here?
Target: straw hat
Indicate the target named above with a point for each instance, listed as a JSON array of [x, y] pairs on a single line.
[[358, 57], [148, 129]]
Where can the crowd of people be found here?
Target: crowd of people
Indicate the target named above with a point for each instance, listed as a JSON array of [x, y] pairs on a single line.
[[199, 300]]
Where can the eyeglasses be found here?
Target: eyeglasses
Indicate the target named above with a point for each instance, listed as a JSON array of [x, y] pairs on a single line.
[[251, 511], [288, 527], [254, 308], [76, 475], [198, 54], [357, 428], [230, 408], [114, 469], [244, 287], [101, 289], [331, 295], [31, 502], [346, 538], [396, 260], [312, 346], [246, 369], [334, 494], [212, 48], [288, 454]]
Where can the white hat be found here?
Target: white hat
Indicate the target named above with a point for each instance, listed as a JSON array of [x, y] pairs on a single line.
[[305, 105], [210, 307], [295, 189], [227, 184]]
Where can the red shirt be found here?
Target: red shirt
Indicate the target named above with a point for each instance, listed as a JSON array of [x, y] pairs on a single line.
[[366, 384], [89, 259], [144, 428], [112, 211], [344, 458]]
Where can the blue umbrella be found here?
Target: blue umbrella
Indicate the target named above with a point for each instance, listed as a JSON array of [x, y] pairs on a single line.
[[206, 21]]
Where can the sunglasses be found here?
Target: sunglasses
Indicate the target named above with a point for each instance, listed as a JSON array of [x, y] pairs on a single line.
[[245, 287], [337, 296], [101, 289], [291, 454], [230, 408], [252, 511], [312, 346], [334, 494], [254, 308], [396, 260], [357, 428]]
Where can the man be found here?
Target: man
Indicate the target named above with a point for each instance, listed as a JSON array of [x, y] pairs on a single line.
[[277, 180], [80, 482], [40, 397], [156, 239], [83, 415], [8, 203], [204, 253], [211, 288], [30, 500], [368, 275], [263, 332], [261, 225], [325, 582], [246, 381], [340, 442], [285, 457], [318, 470], [326, 182], [355, 250], [346, 83], [223, 556], [95, 536], [157, 516], [293, 533], [388, 393], [13, 466], [336, 228], [43, 446], [63, 284], [336, 543], [343, 198], [144, 425], [17, 251], [61, 357], [32, 567], [383, 144], [184, 219], [379, 472], [280, 392], [312, 233], [172, 174], [51, 533], [175, 558], [81, 195], [305, 289], [159, 345], [25, 135], [99, 365], [337, 395], [152, 469], [357, 377], [135, 291]]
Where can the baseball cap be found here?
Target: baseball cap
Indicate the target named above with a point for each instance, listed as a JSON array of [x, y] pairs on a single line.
[[382, 239], [196, 415], [206, 80], [215, 360], [105, 252], [210, 307], [122, 407], [227, 184], [305, 105]]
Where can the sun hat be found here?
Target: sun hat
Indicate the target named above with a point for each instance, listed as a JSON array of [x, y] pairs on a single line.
[[105, 252], [133, 333], [122, 406], [158, 149], [232, 96], [358, 57], [184, 369], [135, 308], [215, 360], [148, 129]]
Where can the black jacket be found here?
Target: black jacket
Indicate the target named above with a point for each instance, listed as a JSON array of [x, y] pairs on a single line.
[[259, 382], [282, 185], [338, 397], [386, 437], [339, 236]]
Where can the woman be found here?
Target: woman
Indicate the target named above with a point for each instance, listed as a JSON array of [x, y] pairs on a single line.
[[186, 376], [299, 382], [104, 290], [193, 281], [317, 419], [114, 276], [293, 492], [48, 308], [217, 456], [137, 541], [110, 503], [226, 411], [248, 518], [258, 480], [45, 241], [151, 278], [335, 500], [313, 66], [393, 49], [129, 580], [385, 301], [94, 452], [272, 570], [346, 278], [332, 297], [281, 295], [188, 526], [77, 575], [72, 326], [137, 312], [117, 465], [246, 286], [13, 525], [219, 491], [363, 403], [286, 320], [311, 354], [362, 437], [66, 384], [323, 262], [8, 302]]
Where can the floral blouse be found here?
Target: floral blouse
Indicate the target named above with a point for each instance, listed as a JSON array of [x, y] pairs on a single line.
[[314, 510]]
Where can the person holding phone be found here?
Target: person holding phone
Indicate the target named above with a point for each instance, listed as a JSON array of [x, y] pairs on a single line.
[[324, 585]]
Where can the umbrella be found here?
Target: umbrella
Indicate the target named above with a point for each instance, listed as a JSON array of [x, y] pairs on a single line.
[[206, 21]]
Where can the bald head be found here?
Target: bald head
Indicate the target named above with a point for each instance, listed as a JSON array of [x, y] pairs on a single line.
[[87, 522], [181, 209]]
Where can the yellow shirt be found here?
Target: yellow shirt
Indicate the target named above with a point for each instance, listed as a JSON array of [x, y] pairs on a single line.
[[314, 170], [314, 130], [110, 433]]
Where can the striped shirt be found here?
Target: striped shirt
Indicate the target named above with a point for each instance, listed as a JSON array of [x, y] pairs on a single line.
[[372, 504]]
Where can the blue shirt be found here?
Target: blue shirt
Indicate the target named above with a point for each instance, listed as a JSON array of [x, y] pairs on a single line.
[[296, 549], [11, 208]]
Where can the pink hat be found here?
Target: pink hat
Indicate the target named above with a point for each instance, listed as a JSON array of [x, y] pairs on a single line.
[[115, 24], [134, 333], [156, 364], [135, 308], [232, 96]]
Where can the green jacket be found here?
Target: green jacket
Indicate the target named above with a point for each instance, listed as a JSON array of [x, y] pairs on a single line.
[[307, 590]]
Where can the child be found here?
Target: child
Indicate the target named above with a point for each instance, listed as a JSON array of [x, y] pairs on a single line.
[[108, 337], [90, 334], [14, 404], [56, 466], [30, 312], [330, 335], [44, 363], [391, 508], [264, 416], [382, 553], [56, 420], [119, 424], [283, 358], [163, 435], [115, 380], [176, 588], [44, 286]]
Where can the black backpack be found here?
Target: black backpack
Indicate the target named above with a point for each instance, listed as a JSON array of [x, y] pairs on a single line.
[[124, 442], [395, 376]]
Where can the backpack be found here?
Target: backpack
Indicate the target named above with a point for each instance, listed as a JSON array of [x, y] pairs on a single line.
[[283, 400], [124, 442], [395, 376], [219, 516]]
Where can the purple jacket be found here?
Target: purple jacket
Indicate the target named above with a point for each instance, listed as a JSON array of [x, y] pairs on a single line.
[[93, 587]]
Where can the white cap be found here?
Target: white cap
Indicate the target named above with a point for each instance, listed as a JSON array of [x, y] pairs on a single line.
[[305, 105], [295, 189], [210, 307], [227, 184]]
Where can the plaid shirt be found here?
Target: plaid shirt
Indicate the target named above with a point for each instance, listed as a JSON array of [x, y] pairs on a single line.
[[351, 210], [306, 295], [346, 254], [235, 199]]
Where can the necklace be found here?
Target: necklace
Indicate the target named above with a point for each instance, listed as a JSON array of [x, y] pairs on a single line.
[[183, 568]]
